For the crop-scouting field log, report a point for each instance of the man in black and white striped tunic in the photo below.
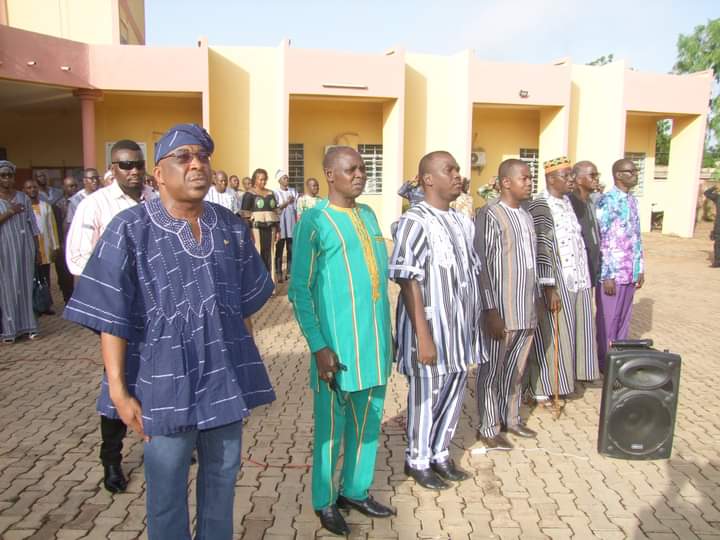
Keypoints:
(505, 241)
(438, 318)
(563, 271)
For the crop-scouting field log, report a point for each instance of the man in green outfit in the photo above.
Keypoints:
(338, 289)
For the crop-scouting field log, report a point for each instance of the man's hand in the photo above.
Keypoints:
(640, 281)
(552, 299)
(494, 325)
(427, 353)
(130, 413)
(609, 287)
(327, 364)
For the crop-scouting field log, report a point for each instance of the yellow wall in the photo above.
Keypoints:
(437, 113)
(688, 136)
(141, 118)
(137, 11)
(89, 21)
(597, 115)
(317, 124)
(42, 138)
(245, 115)
(501, 133)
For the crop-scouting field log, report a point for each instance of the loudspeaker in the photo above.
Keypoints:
(639, 401)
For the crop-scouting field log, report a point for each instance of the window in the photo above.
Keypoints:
(296, 166)
(530, 156)
(638, 158)
(372, 156)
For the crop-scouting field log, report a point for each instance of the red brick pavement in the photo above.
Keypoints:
(555, 487)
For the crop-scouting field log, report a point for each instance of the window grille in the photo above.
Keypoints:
(638, 158)
(530, 156)
(296, 166)
(372, 155)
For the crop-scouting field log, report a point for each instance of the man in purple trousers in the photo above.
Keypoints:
(622, 266)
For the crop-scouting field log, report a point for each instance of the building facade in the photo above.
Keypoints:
(75, 76)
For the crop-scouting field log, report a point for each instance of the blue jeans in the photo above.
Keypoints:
(167, 466)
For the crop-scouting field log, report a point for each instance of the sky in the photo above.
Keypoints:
(642, 32)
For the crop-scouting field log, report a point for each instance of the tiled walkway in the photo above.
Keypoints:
(555, 487)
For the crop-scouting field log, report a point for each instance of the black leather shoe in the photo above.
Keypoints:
(490, 443)
(369, 507)
(114, 479)
(447, 470)
(426, 478)
(332, 520)
(520, 431)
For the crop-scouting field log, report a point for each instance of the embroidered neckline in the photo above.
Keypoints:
(181, 228)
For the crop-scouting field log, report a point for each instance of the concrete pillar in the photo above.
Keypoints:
(553, 137)
(686, 150)
(87, 99)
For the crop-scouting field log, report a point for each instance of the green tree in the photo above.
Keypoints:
(697, 52)
(601, 61)
(662, 142)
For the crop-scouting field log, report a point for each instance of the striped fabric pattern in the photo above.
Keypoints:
(17, 267)
(181, 305)
(434, 406)
(49, 240)
(435, 248)
(577, 341)
(508, 251)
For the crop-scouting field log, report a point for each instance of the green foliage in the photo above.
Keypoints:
(601, 61)
(697, 52)
(662, 142)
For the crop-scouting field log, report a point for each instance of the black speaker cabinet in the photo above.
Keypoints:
(639, 401)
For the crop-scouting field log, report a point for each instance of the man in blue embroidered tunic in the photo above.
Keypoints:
(170, 287)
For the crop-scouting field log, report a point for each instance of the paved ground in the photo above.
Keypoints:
(556, 487)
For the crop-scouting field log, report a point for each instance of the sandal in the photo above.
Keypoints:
(8, 341)
(33, 335)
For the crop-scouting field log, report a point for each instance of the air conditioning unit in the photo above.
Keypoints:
(478, 159)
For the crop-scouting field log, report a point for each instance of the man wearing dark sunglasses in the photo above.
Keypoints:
(92, 216)
(587, 179)
(171, 288)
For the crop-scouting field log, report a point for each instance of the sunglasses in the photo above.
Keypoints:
(130, 165)
(7, 175)
(95, 178)
(183, 158)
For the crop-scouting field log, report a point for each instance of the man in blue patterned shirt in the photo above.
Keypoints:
(170, 288)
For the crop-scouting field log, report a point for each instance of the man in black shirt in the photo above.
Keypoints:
(586, 182)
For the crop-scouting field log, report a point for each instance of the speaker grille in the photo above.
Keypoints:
(640, 424)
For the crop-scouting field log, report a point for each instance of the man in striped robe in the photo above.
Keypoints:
(438, 339)
(505, 241)
(563, 272)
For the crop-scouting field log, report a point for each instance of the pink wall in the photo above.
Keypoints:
(17, 47)
(107, 67)
(306, 71)
(653, 92)
(151, 69)
(492, 82)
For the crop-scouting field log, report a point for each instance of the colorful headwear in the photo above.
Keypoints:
(4, 163)
(180, 135)
(556, 164)
(280, 173)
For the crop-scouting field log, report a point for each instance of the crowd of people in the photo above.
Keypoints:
(169, 268)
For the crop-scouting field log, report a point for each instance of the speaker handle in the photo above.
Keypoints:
(631, 344)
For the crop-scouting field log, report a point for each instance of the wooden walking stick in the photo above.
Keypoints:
(557, 409)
